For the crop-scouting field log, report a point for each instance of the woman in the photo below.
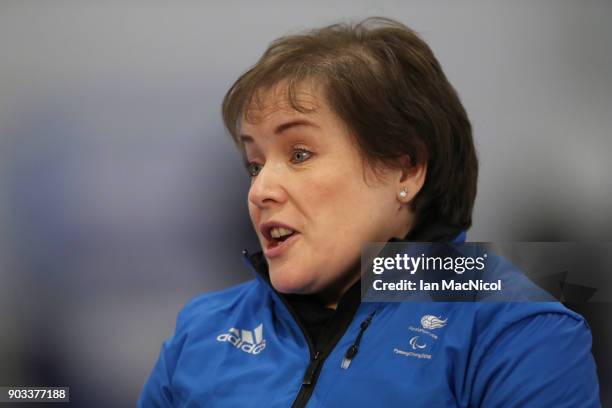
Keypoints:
(352, 134)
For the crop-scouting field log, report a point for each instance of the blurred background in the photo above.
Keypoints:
(122, 197)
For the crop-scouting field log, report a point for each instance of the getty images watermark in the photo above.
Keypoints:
(414, 271)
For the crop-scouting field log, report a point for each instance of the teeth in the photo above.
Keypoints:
(278, 232)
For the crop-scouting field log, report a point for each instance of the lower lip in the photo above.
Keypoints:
(278, 250)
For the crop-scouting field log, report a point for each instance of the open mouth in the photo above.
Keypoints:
(278, 236)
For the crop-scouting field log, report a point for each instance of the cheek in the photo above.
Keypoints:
(336, 208)
(354, 212)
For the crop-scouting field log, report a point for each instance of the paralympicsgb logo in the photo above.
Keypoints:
(431, 322)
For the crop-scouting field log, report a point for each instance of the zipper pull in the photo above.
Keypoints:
(354, 348)
(312, 369)
(348, 357)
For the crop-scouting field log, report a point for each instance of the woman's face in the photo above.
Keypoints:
(308, 180)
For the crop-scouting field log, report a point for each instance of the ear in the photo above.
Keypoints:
(411, 179)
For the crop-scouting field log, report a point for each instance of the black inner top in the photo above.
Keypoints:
(318, 320)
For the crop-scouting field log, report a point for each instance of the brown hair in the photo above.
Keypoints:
(385, 83)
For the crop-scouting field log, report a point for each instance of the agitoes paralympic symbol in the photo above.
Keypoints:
(414, 343)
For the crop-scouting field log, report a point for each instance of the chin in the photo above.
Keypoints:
(291, 282)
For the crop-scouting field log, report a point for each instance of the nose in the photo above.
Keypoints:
(267, 187)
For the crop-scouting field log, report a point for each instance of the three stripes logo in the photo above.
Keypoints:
(251, 342)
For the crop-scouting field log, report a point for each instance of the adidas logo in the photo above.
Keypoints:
(243, 339)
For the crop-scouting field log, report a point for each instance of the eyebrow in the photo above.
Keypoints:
(282, 127)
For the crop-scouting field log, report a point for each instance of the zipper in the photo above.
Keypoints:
(312, 368)
(317, 357)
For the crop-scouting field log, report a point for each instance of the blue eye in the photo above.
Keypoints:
(300, 155)
(253, 168)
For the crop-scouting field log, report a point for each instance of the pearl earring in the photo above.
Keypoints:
(403, 193)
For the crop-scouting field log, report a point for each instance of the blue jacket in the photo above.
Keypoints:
(241, 347)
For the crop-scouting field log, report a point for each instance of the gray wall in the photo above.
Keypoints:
(121, 195)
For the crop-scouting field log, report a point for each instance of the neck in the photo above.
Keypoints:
(330, 297)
